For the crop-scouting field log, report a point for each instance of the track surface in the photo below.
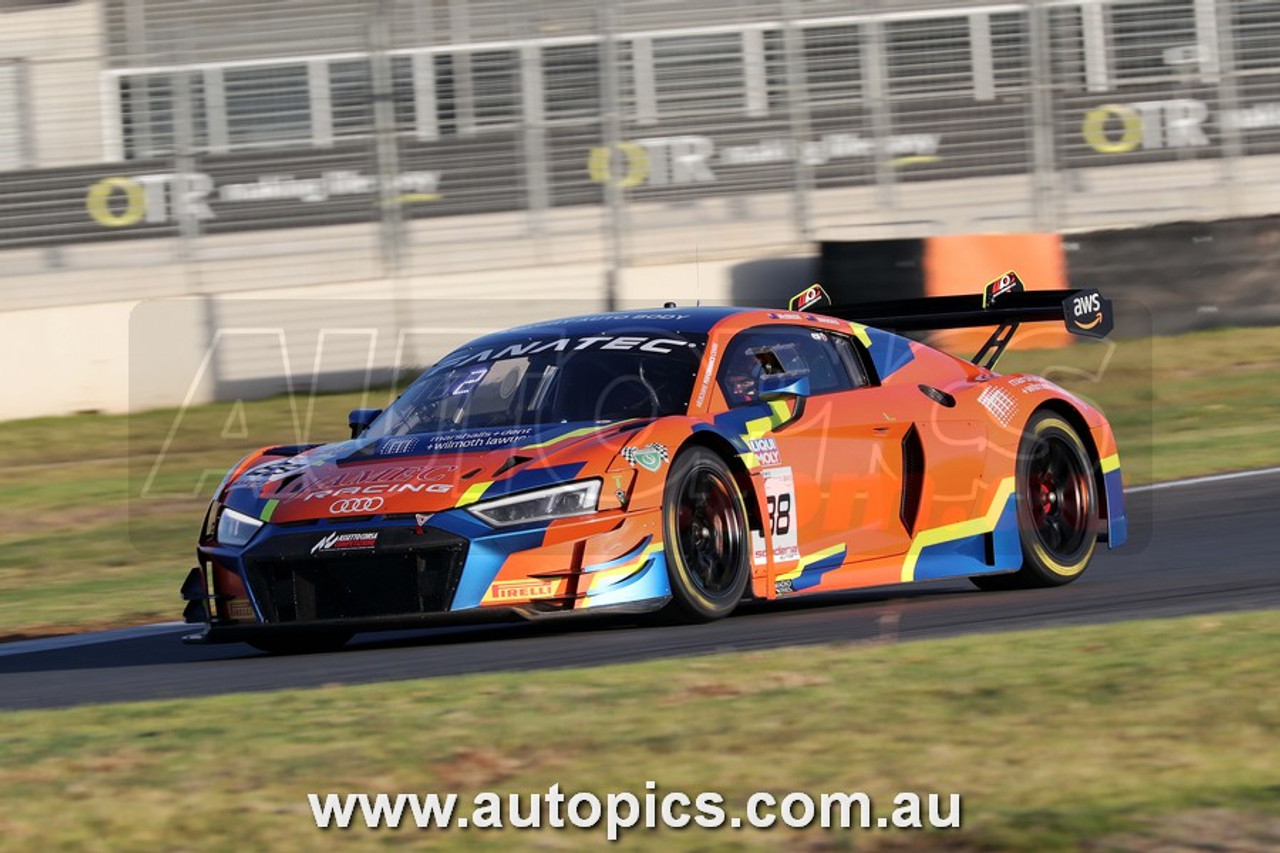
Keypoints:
(1196, 547)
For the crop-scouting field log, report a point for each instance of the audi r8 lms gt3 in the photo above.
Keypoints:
(679, 459)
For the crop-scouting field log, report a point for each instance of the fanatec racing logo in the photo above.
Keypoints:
(661, 346)
(356, 505)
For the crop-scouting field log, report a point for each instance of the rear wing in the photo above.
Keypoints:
(1004, 303)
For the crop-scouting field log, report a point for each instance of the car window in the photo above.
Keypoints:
(549, 379)
(855, 359)
(783, 349)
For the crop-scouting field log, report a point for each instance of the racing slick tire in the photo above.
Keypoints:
(1057, 504)
(303, 645)
(704, 522)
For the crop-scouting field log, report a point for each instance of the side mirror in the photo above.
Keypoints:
(780, 386)
(359, 420)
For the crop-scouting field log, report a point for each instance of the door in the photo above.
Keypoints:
(831, 474)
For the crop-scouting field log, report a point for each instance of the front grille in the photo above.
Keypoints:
(405, 582)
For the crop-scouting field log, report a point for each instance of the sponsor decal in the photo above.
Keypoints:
(382, 489)
(783, 587)
(1000, 403)
(398, 474)
(420, 520)
(241, 610)
(345, 542)
(1087, 310)
(508, 590)
(1032, 384)
(272, 471)
(1088, 314)
(620, 489)
(662, 346)
(780, 501)
(650, 457)
(804, 300)
(399, 445)
(362, 506)
(464, 385)
(713, 356)
(766, 451)
(1005, 284)
(475, 440)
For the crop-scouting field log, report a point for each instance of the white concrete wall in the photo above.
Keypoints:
(61, 48)
(131, 355)
(62, 360)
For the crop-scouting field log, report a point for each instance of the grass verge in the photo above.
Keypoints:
(82, 544)
(1142, 727)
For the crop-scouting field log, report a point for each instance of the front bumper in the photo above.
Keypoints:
(456, 570)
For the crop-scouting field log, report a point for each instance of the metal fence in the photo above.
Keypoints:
(159, 146)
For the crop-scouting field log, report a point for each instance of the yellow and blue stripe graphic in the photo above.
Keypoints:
(637, 575)
(809, 570)
(960, 549)
(1117, 518)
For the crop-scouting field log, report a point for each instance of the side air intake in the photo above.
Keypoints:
(912, 478)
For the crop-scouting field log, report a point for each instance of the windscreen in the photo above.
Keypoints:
(547, 380)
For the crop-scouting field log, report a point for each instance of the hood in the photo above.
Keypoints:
(425, 473)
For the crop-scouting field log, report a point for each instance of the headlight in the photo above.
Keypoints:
(556, 502)
(236, 528)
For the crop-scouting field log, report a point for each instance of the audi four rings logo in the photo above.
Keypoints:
(360, 505)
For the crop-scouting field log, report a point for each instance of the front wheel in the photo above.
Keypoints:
(704, 524)
(1057, 507)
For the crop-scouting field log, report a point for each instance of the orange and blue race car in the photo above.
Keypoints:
(677, 460)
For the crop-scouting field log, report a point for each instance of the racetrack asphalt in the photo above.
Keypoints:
(1196, 547)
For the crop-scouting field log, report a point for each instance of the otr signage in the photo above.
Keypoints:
(118, 202)
(1147, 125)
(681, 160)
(121, 201)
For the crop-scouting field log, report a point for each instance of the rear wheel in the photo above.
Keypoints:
(1057, 507)
(705, 527)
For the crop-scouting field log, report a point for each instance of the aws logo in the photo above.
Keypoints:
(1087, 313)
(1087, 310)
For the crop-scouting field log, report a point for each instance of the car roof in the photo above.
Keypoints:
(684, 321)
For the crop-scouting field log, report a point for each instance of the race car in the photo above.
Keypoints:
(677, 460)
